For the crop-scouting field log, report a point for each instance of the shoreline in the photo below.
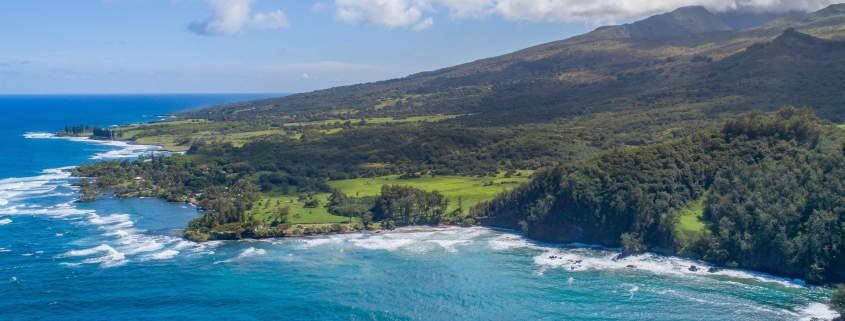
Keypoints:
(88, 139)
(554, 249)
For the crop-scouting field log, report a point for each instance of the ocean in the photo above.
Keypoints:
(120, 259)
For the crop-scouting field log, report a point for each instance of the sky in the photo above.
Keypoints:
(287, 46)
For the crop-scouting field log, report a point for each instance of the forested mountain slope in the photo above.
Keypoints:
(584, 75)
(542, 122)
(769, 190)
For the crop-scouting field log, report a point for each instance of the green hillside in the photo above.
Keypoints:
(774, 202)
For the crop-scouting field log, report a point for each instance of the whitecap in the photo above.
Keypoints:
(149, 246)
(111, 219)
(309, 243)
(582, 259)
(163, 255)
(509, 241)
(127, 150)
(111, 257)
(5, 221)
(250, 252)
(633, 290)
(449, 245)
(86, 252)
(816, 311)
(382, 243)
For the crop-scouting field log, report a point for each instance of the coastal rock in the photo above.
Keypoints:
(693, 268)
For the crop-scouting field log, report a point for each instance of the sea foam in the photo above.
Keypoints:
(126, 150)
(109, 257)
(248, 253)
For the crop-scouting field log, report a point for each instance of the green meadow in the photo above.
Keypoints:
(471, 190)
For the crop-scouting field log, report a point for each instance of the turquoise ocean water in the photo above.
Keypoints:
(118, 259)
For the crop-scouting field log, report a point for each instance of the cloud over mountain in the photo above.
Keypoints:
(416, 14)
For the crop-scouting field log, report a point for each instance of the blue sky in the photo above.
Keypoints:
(251, 46)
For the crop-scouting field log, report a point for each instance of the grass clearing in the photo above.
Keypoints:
(166, 141)
(299, 214)
(472, 189)
(378, 120)
(386, 103)
(690, 225)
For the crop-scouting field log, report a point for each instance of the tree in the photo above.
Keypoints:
(337, 196)
(837, 299)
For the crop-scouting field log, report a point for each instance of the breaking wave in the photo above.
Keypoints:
(126, 150)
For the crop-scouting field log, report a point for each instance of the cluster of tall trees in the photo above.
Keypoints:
(74, 130)
(106, 133)
(96, 131)
(773, 189)
(405, 205)
(225, 211)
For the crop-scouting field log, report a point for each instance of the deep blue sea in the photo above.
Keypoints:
(119, 259)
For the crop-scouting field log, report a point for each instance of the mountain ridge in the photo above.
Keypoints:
(681, 21)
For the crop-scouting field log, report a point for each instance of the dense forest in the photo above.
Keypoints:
(772, 188)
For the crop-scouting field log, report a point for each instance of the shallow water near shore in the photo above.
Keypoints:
(120, 259)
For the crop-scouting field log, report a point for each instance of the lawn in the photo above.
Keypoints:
(299, 214)
(472, 189)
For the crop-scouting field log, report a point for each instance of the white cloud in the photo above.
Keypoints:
(416, 14)
(270, 20)
(388, 13)
(231, 16)
(425, 24)
(319, 7)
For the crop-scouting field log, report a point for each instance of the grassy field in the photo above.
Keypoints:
(166, 141)
(299, 214)
(380, 120)
(471, 189)
(690, 225)
(166, 134)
